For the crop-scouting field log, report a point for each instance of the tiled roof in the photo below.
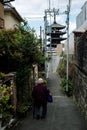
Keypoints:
(9, 7)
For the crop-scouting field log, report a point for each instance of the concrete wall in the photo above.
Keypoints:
(59, 49)
(71, 44)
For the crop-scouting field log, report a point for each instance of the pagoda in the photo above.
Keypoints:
(56, 35)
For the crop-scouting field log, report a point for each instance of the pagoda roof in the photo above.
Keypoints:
(57, 32)
(56, 25)
(52, 45)
(59, 38)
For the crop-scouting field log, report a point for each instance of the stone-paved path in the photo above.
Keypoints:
(63, 114)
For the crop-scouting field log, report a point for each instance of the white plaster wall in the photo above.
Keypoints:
(10, 21)
(71, 44)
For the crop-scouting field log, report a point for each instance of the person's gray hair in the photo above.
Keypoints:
(40, 80)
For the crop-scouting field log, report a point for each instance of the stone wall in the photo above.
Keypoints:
(80, 73)
(10, 80)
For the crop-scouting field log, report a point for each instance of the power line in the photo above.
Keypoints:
(34, 17)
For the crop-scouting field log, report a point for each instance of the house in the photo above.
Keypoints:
(81, 26)
(80, 60)
(11, 16)
(2, 20)
(81, 18)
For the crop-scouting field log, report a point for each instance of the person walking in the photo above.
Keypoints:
(39, 94)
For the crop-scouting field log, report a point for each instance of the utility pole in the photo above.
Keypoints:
(67, 67)
(49, 4)
(40, 38)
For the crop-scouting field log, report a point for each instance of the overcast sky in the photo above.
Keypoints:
(33, 11)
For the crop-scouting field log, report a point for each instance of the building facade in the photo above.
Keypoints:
(1, 16)
(82, 16)
(81, 26)
(12, 17)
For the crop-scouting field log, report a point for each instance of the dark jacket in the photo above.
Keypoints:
(39, 94)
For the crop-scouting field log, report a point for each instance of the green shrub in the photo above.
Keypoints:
(70, 87)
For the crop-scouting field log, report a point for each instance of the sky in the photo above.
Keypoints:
(34, 11)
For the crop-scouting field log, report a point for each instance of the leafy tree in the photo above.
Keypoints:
(18, 47)
(19, 50)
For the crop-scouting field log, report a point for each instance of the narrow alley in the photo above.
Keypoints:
(63, 114)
